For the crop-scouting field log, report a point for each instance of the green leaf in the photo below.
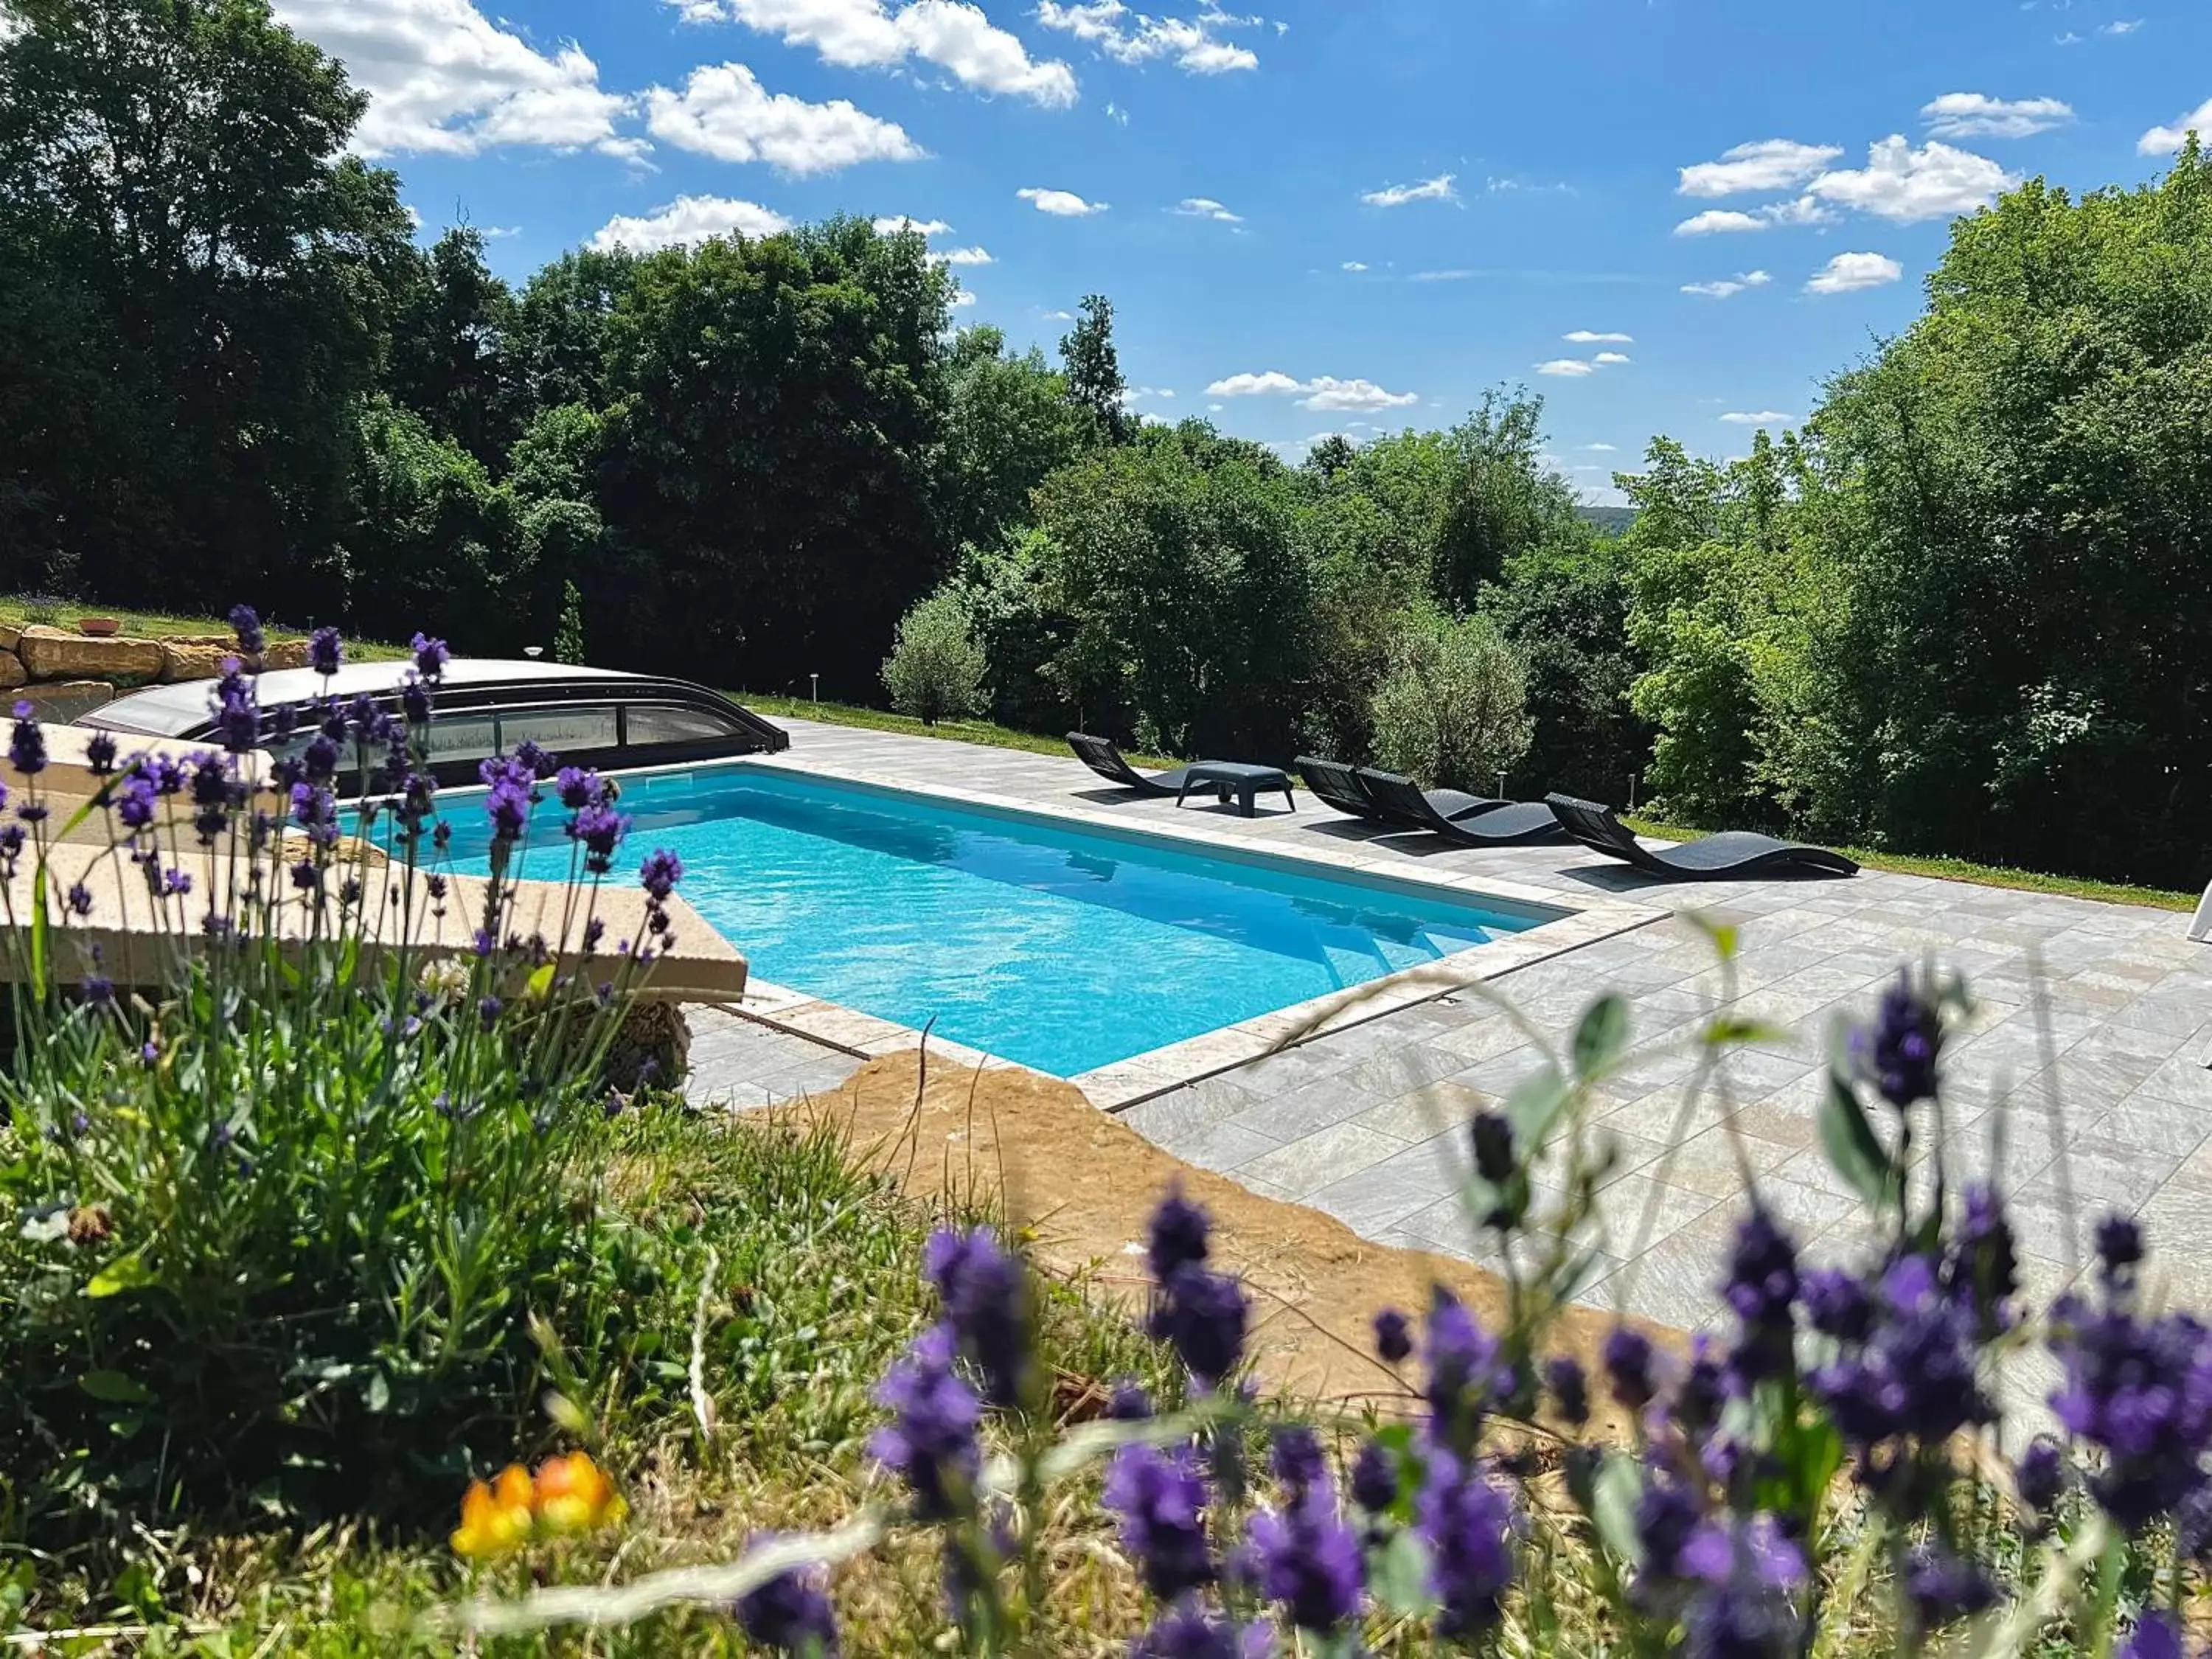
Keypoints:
(539, 982)
(1852, 1147)
(114, 1388)
(1614, 1507)
(1533, 1107)
(128, 1272)
(1602, 1036)
(1721, 933)
(1734, 1029)
(1398, 1574)
(377, 1395)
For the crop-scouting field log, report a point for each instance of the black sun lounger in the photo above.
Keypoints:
(1338, 785)
(1470, 820)
(1100, 755)
(1734, 854)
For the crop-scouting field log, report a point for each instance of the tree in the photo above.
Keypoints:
(1499, 498)
(764, 466)
(1565, 611)
(452, 348)
(1452, 712)
(1009, 424)
(935, 671)
(182, 231)
(1093, 368)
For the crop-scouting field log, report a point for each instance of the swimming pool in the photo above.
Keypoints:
(1063, 949)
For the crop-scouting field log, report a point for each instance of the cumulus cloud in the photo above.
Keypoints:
(1727, 287)
(1717, 221)
(1586, 336)
(963, 300)
(1598, 449)
(2120, 26)
(1769, 164)
(1905, 186)
(1847, 273)
(1059, 316)
(1323, 391)
(891, 224)
(1353, 265)
(1129, 37)
(868, 35)
(688, 220)
(1567, 367)
(2167, 141)
(1976, 115)
(1061, 204)
(1205, 207)
(1606, 359)
(724, 112)
(1438, 189)
(443, 79)
(1760, 417)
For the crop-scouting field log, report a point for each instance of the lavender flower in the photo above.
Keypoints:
(541, 762)
(1464, 1374)
(2041, 1476)
(238, 716)
(600, 830)
(99, 757)
(659, 873)
(1492, 1136)
(1161, 1499)
(325, 651)
(27, 746)
(2120, 1247)
(578, 786)
(2156, 1635)
(415, 701)
(2141, 1391)
(1129, 1402)
(430, 656)
(1761, 1288)
(1914, 1375)
(1666, 1518)
(508, 806)
(1837, 1304)
(1176, 1236)
(1305, 1558)
(1300, 1463)
(1746, 1607)
(1942, 1589)
(1569, 1389)
(319, 761)
(1188, 1633)
(1203, 1316)
(1900, 1050)
(791, 1613)
(1628, 1366)
(1393, 1336)
(1981, 1265)
(985, 1296)
(1468, 1523)
(1375, 1478)
(246, 623)
(78, 899)
(930, 1443)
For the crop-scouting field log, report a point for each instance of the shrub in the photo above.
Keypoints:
(569, 636)
(1453, 711)
(936, 670)
(284, 1203)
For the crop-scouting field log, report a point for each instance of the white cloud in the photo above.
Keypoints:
(725, 113)
(1606, 359)
(1586, 336)
(1061, 204)
(1129, 37)
(891, 224)
(1327, 392)
(867, 34)
(1599, 449)
(2120, 27)
(1324, 392)
(1115, 113)
(1059, 316)
(1715, 221)
(2068, 38)
(1847, 273)
(1438, 189)
(1253, 385)
(1214, 409)
(1769, 164)
(1800, 210)
(443, 79)
(1905, 185)
(2165, 141)
(1205, 207)
(1762, 417)
(963, 256)
(963, 300)
(1353, 265)
(500, 233)
(1727, 287)
(1974, 114)
(689, 219)
(1459, 276)
(1569, 367)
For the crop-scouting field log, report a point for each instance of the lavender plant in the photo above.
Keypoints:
(297, 1128)
(1835, 1456)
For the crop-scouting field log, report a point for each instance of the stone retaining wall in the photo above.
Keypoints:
(63, 673)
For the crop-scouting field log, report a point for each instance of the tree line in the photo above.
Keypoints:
(1953, 614)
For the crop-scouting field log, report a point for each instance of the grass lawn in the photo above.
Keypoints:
(19, 609)
(1002, 737)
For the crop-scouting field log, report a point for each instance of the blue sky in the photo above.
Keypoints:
(1315, 215)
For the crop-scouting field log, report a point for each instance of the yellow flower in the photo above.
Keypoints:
(575, 1495)
(496, 1520)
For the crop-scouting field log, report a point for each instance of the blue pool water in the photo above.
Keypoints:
(1062, 949)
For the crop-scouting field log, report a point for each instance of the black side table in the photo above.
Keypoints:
(1235, 778)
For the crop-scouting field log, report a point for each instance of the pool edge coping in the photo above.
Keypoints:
(1117, 1086)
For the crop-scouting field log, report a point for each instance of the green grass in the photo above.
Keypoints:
(1946, 869)
(15, 609)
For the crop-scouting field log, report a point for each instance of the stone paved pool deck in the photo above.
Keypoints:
(2084, 1063)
